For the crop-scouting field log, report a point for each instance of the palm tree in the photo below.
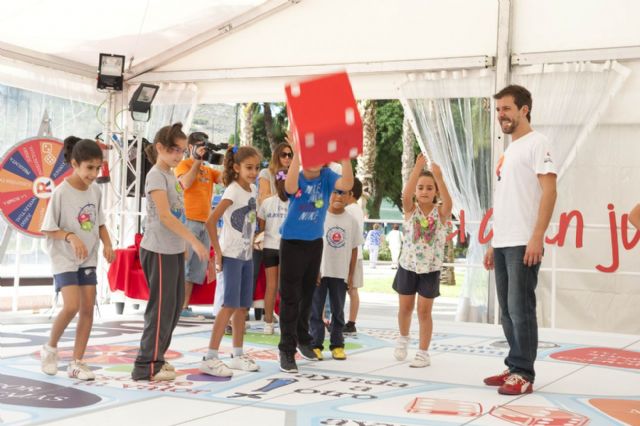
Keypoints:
(246, 124)
(268, 125)
(366, 162)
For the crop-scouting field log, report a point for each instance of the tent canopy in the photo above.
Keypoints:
(240, 50)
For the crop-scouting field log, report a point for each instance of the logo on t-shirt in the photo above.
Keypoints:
(87, 217)
(499, 167)
(547, 158)
(336, 237)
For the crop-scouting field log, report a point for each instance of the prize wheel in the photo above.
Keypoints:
(29, 172)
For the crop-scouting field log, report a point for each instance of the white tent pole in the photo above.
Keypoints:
(578, 55)
(434, 64)
(503, 78)
(50, 61)
(16, 277)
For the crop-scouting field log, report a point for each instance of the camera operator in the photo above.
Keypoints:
(198, 181)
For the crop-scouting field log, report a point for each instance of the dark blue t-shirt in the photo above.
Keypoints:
(308, 207)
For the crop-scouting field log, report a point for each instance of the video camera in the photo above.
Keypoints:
(212, 153)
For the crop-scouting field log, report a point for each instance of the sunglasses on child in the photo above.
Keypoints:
(286, 154)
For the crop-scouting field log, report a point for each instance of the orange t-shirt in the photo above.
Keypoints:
(197, 198)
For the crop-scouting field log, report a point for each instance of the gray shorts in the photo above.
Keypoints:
(195, 269)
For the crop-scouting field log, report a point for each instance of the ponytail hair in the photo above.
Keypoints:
(81, 150)
(235, 155)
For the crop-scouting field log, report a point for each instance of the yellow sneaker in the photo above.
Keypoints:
(338, 353)
(318, 353)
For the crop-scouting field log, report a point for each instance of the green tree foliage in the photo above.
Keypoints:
(280, 122)
(387, 178)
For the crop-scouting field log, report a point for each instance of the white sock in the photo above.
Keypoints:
(237, 352)
(404, 340)
(425, 353)
(50, 348)
(212, 354)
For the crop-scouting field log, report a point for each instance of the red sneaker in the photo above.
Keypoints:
(516, 385)
(497, 380)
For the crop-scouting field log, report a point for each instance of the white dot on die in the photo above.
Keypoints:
(353, 152)
(295, 90)
(349, 116)
(309, 140)
(332, 146)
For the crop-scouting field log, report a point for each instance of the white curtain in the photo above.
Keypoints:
(48, 81)
(451, 115)
(569, 100)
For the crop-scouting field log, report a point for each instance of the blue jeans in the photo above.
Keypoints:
(516, 287)
(337, 289)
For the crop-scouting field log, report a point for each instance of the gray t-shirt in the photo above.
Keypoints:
(76, 211)
(341, 235)
(158, 238)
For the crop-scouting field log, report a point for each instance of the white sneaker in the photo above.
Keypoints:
(215, 367)
(79, 370)
(400, 352)
(167, 366)
(268, 328)
(49, 360)
(164, 375)
(421, 360)
(244, 363)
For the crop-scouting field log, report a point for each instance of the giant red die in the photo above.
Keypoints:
(324, 119)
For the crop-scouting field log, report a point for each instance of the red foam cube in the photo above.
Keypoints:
(324, 119)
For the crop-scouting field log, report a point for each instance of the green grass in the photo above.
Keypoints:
(383, 285)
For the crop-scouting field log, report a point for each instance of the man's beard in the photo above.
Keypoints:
(513, 125)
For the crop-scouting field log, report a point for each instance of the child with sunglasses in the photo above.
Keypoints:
(342, 237)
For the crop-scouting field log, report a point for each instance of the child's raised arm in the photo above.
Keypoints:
(345, 182)
(212, 229)
(445, 208)
(291, 182)
(409, 189)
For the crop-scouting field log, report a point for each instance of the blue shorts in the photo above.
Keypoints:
(83, 276)
(196, 269)
(238, 282)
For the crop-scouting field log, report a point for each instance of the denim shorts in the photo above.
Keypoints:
(196, 269)
(238, 282)
(83, 276)
(409, 283)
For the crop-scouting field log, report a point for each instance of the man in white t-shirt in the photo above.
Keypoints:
(524, 197)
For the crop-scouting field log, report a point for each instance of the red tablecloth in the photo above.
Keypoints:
(125, 274)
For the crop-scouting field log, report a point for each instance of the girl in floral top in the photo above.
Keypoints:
(427, 209)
